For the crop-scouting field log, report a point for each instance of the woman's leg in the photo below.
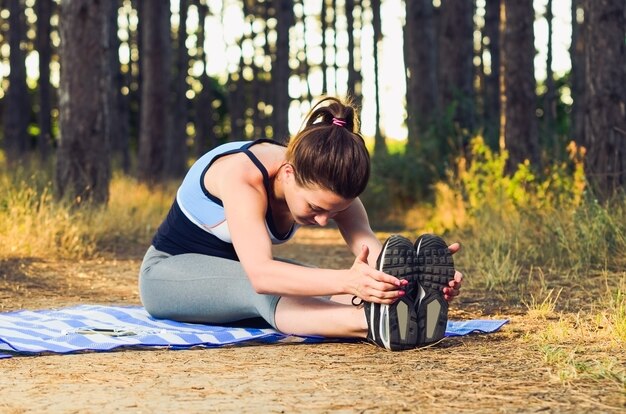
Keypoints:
(200, 288)
(316, 316)
(334, 316)
(345, 299)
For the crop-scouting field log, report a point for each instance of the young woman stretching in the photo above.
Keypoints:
(211, 259)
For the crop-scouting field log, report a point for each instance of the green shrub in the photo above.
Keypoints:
(525, 219)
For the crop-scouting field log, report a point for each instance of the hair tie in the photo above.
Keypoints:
(339, 122)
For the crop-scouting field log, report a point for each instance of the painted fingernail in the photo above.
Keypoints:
(401, 293)
(404, 282)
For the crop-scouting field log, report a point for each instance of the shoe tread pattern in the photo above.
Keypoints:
(399, 259)
(434, 264)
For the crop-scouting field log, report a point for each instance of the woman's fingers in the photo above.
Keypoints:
(454, 247)
(455, 284)
(457, 281)
(386, 285)
(379, 287)
(454, 287)
(381, 277)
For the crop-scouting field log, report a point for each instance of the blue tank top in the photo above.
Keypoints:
(196, 222)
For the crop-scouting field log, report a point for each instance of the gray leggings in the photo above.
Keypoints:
(199, 288)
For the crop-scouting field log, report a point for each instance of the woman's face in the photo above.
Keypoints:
(313, 206)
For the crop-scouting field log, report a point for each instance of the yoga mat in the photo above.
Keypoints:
(104, 328)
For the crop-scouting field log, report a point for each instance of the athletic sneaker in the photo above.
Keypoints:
(435, 270)
(395, 326)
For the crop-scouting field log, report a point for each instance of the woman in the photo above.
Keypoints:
(211, 260)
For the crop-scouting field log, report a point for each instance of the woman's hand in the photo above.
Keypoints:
(372, 285)
(454, 288)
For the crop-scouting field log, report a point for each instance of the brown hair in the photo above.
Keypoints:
(329, 151)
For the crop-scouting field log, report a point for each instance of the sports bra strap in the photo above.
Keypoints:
(261, 167)
(266, 181)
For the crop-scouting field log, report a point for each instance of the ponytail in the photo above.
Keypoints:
(329, 151)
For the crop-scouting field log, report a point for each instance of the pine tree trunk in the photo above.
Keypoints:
(129, 102)
(305, 67)
(420, 54)
(549, 106)
(518, 125)
(118, 110)
(44, 49)
(577, 53)
(205, 135)
(155, 58)
(605, 117)
(83, 170)
(16, 105)
(136, 73)
(335, 49)
(491, 105)
(456, 69)
(281, 71)
(324, 64)
(177, 143)
(380, 147)
(354, 78)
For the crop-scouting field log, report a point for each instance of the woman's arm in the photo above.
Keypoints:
(245, 204)
(356, 231)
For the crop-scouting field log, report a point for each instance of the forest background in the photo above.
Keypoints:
(139, 95)
(99, 94)
(105, 104)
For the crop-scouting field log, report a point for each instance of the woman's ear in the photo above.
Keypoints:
(288, 170)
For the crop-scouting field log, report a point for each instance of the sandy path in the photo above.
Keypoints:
(501, 372)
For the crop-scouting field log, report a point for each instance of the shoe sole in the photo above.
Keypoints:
(398, 322)
(435, 269)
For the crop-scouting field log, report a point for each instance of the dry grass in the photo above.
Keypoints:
(33, 223)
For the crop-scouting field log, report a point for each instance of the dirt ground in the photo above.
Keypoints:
(502, 372)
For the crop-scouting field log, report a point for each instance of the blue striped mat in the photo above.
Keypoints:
(104, 328)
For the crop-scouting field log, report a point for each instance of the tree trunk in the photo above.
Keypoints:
(136, 73)
(421, 69)
(237, 95)
(577, 53)
(324, 64)
(129, 100)
(259, 76)
(118, 110)
(380, 147)
(17, 107)
(155, 58)
(456, 69)
(205, 135)
(518, 125)
(491, 104)
(335, 49)
(44, 49)
(281, 71)
(176, 160)
(354, 75)
(83, 170)
(549, 105)
(605, 117)
(305, 67)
